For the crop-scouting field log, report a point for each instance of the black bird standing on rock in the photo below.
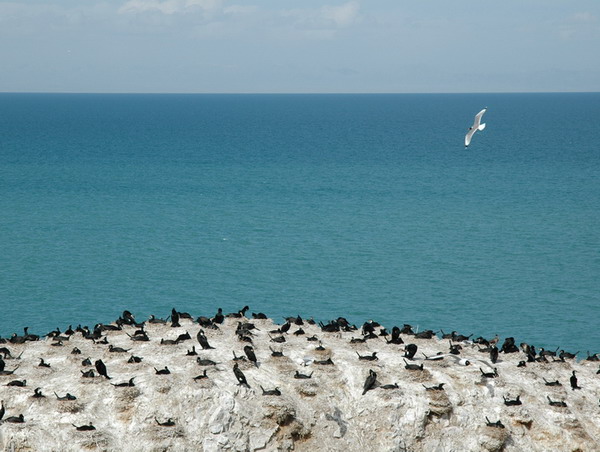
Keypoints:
(203, 341)
(174, 318)
(128, 318)
(509, 346)
(241, 378)
(249, 351)
(285, 327)
(370, 381)
(219, 317)
(410, 351)
(101, 368)
(494, 354)
(531, 354)
(573, 380)
(395, 336)
(368, 328)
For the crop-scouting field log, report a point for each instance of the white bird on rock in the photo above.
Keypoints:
(475, 127)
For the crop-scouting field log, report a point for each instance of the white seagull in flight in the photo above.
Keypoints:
(475, 127)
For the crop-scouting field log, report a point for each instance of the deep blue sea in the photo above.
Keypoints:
(363, 206)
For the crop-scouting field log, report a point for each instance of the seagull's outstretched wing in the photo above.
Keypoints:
(478, 119)
(469, 135)
(476, 126)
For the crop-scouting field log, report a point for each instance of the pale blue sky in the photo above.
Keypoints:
(264, 46)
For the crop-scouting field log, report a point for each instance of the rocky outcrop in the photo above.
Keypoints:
(445, 406)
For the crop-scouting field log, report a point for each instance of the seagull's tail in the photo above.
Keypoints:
(481, 126)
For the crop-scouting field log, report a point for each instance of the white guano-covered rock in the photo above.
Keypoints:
(326, 412)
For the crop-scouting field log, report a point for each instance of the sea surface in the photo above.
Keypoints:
(362, 206)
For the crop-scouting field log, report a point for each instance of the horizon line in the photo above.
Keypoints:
(293, 93)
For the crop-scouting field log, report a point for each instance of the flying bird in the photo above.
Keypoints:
(475, 127)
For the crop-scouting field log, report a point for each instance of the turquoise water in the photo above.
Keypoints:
(364, 206)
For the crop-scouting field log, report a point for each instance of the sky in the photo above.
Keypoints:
(309, 46)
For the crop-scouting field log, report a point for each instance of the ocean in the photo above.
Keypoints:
(361, 206)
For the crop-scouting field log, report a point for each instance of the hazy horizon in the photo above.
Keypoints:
(269, 46)
(296, 93)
